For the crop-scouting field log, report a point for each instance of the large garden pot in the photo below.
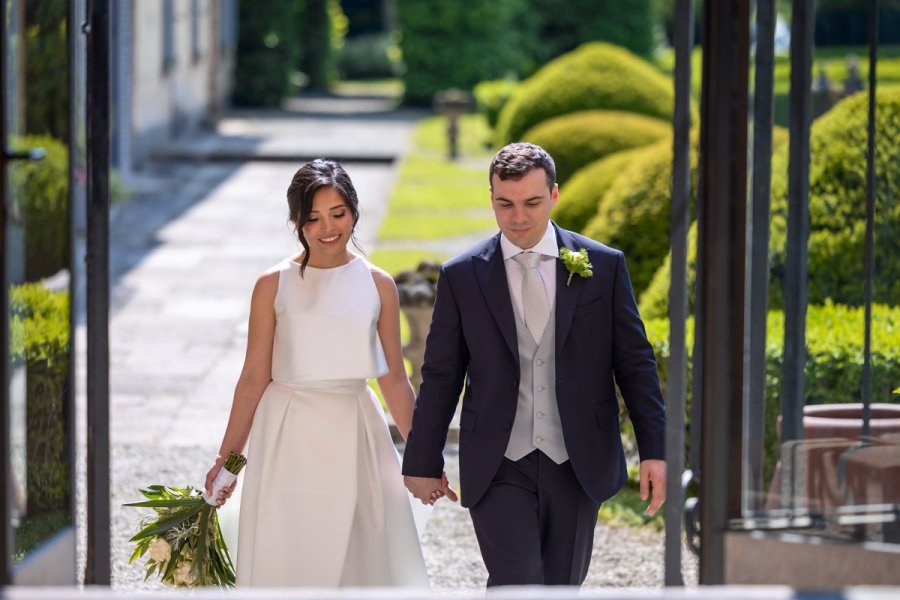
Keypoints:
(416, 290)
(834, 466)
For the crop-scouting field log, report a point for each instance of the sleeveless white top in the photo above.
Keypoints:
(326, 324)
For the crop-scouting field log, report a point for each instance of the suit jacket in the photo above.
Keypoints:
(600, 342)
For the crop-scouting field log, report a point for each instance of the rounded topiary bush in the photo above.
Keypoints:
(579, 138)
(633, 215)
(837, 203)
(654, 299)
(580, 197)
(594, 76)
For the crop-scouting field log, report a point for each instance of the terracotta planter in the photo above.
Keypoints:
(833, 466)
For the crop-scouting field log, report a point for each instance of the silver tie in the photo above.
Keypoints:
(534, 295)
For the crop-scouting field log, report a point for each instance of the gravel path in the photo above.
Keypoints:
(622, 557)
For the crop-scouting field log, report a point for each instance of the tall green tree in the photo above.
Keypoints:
(268, 51)
(458, 44)
(47, 68)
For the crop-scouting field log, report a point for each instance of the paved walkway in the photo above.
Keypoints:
(185, 251)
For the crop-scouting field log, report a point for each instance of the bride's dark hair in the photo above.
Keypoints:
(308, 180)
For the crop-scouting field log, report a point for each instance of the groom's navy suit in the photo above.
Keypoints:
(600, 342)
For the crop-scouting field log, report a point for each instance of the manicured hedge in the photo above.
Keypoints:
(579, 138)
(837, 201)
(834, 339)
(39, 341)
(595, 76)
(458, 44)
(43, 198)
(581, 195)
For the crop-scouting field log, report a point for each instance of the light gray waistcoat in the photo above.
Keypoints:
(537, 424)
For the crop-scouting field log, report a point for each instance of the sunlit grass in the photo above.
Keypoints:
(473, 139)
(430, 226)
(391, 88)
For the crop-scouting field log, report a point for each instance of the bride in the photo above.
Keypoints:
(323, 501)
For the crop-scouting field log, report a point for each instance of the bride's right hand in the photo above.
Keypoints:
(225, 494)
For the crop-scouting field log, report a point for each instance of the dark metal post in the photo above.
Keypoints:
(98, 569)
(678, 231)
(795, 276)
(758, 228)
(722, 254)
(869, 251)
(6, 541)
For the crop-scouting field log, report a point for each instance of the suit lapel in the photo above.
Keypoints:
(491, 274)
(566, 295)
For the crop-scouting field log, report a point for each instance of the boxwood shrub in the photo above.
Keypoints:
(579, 138)
(633, 215)
(596, 75)
(580, 197)
(837, 203)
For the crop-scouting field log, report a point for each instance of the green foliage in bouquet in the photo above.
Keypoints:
(184, 541)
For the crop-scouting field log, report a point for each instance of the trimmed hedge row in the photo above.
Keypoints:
(39, 340)
(595, 76)
(579, 138)
(834, 340)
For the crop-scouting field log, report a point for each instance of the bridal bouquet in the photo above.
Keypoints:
(184, 541)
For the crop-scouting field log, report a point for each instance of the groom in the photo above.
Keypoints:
(540, 353)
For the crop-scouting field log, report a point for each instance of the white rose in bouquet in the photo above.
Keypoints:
(160, 550)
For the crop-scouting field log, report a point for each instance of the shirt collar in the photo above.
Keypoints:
(547, 245)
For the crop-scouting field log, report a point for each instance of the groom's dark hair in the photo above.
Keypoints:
(516, 160)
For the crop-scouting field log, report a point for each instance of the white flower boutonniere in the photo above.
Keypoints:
(576, 263)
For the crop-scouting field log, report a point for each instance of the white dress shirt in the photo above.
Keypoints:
(548, 247)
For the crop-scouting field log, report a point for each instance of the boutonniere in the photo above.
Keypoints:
(576, 263)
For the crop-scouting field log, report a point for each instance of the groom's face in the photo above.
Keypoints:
(522, 207)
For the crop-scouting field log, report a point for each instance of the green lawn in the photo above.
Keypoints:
(436, 198)
(832, 59)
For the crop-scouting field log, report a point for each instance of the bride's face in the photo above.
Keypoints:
(329, 228)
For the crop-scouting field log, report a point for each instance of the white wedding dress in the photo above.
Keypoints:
(323, 502)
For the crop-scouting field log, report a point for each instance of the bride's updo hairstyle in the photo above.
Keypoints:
(308, 180)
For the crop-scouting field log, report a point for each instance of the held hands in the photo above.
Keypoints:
(653, 476)
(225, 494)
(429, 490)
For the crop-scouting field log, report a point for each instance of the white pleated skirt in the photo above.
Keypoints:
(323, 502)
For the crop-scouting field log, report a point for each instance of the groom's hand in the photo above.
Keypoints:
(653, 475)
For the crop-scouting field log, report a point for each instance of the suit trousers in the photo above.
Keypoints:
(535, 524)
